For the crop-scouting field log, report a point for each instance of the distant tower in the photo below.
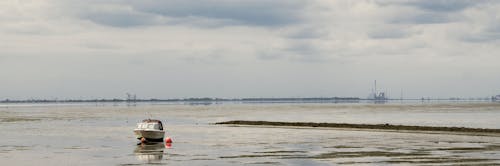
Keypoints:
(401, 93)
(131, 97)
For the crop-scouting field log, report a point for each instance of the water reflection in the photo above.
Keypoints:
(149, 152)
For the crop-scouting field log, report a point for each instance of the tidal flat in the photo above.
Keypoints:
(101, 134)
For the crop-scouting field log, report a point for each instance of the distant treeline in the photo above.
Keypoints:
(206, 99)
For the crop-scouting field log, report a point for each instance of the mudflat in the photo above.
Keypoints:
(101, 134)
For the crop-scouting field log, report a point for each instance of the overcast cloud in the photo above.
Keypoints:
(248, 48)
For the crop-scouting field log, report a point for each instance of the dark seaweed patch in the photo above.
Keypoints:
(18, 119)
(282, 151)
(365, 154)
(266, 155)
(363, 126)
(441, 160)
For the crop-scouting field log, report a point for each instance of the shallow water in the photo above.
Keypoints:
(101, 134)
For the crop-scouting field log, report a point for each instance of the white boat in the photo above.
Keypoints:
(150, 130)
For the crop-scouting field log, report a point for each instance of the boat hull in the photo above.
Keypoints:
(150, 135)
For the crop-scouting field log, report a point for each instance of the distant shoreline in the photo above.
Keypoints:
(249, 100)
(346, 99)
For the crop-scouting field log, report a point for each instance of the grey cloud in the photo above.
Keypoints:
(435, 5)
(433, 11)
(484, 27)
(254, 12)
(201, 22)
(196, 13)
(482, 37)
(303, 48)
(447, 11)
(308, 33)
(108, 13)
(424, 18)
(214, 57)
(389, 34)
(493, 28)
(269, 55)
(443, 5)
(120, 18)
(299, 51)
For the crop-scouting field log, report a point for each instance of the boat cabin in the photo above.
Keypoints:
(152, 124)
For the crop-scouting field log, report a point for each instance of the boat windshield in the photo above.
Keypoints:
(147, 126)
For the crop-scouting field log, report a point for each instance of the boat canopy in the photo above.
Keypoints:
(160, 125)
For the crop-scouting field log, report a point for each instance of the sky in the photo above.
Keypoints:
(74, 49)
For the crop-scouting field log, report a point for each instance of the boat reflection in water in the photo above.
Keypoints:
(149, 152)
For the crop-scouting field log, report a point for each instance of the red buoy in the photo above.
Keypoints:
(168, 140)
(168, 145)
